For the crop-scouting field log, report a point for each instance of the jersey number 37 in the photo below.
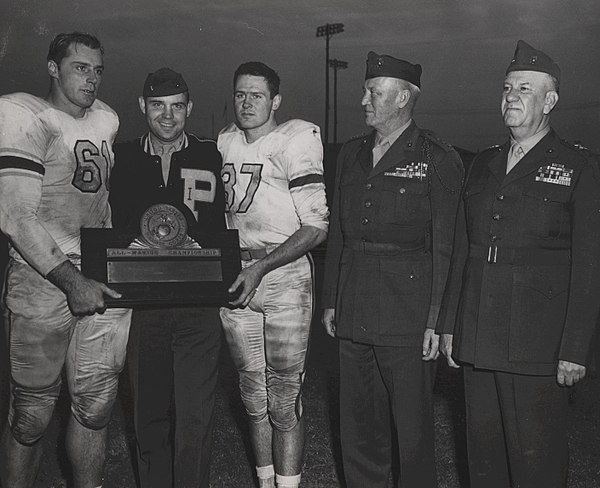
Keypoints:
(230, 177)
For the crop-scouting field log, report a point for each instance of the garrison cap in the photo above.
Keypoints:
(384, 65)
(164, 82)
(528, 58)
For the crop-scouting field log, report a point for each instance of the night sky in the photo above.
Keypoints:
(464, 47)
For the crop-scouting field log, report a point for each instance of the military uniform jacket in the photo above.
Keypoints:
(525, 277)
(390, 237)
(194, 185)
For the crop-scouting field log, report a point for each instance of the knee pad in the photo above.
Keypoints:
(30, 412)
(253, 390)
(92, 409)
(285, 399)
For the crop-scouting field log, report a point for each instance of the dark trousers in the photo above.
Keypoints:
(386, 396)
(516, 430)
(173, 362)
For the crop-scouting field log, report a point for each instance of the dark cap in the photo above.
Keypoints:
(164, 82)
(384, 65)
(528, 58)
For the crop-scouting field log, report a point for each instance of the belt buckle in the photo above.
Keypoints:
(492, 254)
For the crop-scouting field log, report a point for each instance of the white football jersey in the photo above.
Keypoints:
(274, 185)
(72, 156)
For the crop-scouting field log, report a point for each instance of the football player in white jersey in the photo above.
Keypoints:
(275, 197)
(55, 160)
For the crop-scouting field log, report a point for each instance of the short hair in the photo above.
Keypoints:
(256, 68)
(555, 82)
(60, 44)
(414, 90)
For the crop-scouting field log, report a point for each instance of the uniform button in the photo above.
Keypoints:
(546, 199)
(412, 276)
(368, 204)
(500, 197)
(368, 186)
(363, 239)
(493, 238)
(364, 221)
(402, 190)
(496, 216)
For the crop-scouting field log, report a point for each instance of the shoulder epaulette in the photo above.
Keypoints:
(495, 147)
(582, 150)
(359, 136)
(437, 141)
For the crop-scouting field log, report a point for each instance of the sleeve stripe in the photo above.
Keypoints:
(306, 180)
(14, 162)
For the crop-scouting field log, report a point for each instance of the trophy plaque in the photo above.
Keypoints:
(165, 264)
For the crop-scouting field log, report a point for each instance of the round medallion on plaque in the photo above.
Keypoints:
(163, 226)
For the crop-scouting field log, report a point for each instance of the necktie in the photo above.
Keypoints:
(515, 154)
(379, 150)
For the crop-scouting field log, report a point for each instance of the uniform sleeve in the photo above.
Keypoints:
(446, 178)
(304, 154)
(584, 305)
(23, 141)
(451, 297)
(335, 242)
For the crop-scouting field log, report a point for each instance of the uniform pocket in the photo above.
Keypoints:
(547, 207)
(404, 296)
(408, 198)
(538, 309)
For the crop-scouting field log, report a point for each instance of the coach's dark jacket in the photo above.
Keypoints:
(526, 271)
(390, 237)
(137, 183)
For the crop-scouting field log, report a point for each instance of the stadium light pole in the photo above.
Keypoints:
(336, 64)
(327, 31)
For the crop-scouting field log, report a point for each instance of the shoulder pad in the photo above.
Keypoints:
(103, 107)
(229, 129)
(27, 101)
(431, 136)
(295, 126)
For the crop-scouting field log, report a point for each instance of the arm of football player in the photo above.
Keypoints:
(328, 321)
(20, 196)
(297, 245)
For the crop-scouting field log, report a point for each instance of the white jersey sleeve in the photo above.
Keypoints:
(304, 158)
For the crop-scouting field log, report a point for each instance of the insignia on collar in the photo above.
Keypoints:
(554, 173)
(411, 170)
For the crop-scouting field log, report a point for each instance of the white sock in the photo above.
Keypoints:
(287, 481)
(265, 472)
